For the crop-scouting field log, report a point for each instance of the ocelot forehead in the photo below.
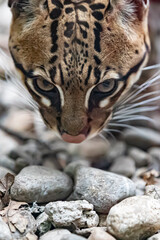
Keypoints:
(75, 32)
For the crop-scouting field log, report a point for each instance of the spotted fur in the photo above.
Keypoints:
(79, 46)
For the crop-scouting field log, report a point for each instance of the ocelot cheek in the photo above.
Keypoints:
(49, 117)
(99, 117)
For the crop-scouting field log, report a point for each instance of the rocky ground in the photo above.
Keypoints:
(103, 189)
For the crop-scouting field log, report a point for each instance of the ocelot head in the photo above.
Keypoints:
(77, 58)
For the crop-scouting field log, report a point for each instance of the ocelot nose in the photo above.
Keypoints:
(73, 125)
(78, 138)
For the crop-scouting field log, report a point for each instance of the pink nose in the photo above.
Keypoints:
(73, 139)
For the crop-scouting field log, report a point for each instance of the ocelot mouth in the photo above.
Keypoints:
(76, 139)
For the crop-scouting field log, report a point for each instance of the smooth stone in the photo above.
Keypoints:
(71, 167)
(57, 234)
(135, 218)
(7, 162)
(153, 191)
(141, 137)
(117, 150)
(99, 234)
(140, 157)
(5, 233)
(155, 153)
(124, 166)
(61, 234)
(80, 213)
(7, 143)
(41, 184)
(4, 171)
(91, 149)
(86, 232)
(101, 188)
(155, 237)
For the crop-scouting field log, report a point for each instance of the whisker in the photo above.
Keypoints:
(151, 67)
(103, 137)
(129, 111)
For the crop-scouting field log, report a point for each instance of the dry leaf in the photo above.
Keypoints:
(20, 221)
(150, 177)
(5, 185)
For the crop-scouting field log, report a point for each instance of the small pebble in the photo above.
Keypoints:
(140, 157)
(41, 184)
(99, 234)
(71, 167)
(57, 234)
(93, 148)
(60, 234)
(66, 213)
(117, 150)
(155, 153)
(102, 189)
(124, 166)
(7, 162)
(5, 233)
(135, 218)
(7, 143)
(141, 137)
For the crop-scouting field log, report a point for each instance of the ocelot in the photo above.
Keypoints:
(77, 58)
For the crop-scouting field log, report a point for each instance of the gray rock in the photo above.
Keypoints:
(134, 218)
(71, 167)
(141, 137)
(124, 166)
(153, 191)
(155, 153)
(7, 162)
(87, 231)
(140, 157)
(56, 234)
(99, 234)
(65, 214)
(4, 171)
(117, 150)
(41, 184)
(6, 143)
(155, 237)
(5, 233)
(93, 148)
(102, 189)
(60, 234)
(73, 237)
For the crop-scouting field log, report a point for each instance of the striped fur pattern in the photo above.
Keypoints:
(77, 58)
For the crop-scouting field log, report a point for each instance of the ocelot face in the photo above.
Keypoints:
(78, 57)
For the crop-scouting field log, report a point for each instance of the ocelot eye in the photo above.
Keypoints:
(44, 85)
(107, 86)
